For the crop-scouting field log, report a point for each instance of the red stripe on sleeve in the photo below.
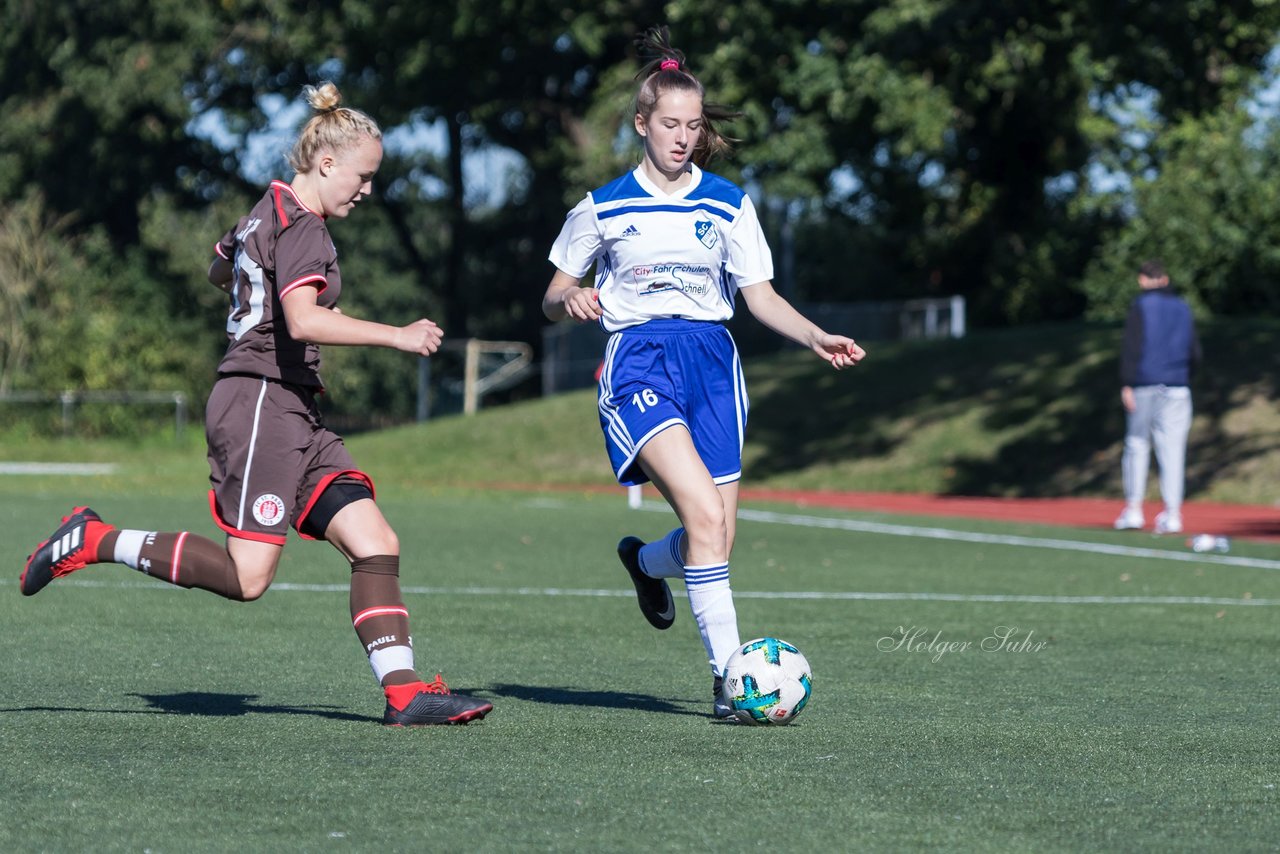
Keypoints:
(316, 279)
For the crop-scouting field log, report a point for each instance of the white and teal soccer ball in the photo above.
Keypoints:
(766, 682)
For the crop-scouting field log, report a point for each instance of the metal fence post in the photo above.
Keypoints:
(957, 317)
(68, 399)
(470, 375)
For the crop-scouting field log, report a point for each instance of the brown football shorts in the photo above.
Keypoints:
(270, 456)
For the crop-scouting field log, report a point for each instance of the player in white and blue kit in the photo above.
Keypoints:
(673, 247)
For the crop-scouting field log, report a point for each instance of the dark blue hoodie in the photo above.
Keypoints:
(1160, 344)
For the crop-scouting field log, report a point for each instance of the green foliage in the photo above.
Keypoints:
(96, 104)
(952, 119)
(1212, 214)
(899, 149)
(37, 267)
(80, 316)
(517, 74)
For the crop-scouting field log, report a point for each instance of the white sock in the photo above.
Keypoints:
(663, 558)
(711, 599)
(390, 659)
(129, 546)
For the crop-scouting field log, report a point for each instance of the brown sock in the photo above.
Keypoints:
(381, 620)
(185, 559)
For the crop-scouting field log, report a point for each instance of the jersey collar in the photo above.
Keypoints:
(652, 189)
(286, 187)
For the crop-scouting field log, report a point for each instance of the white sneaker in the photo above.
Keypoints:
(1168, 523)
(1130, 520)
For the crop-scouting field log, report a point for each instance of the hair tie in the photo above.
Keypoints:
(669, 64)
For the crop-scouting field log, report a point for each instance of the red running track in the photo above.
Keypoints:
(1244, 521)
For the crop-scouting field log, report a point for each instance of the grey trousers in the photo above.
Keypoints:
(1161, 419)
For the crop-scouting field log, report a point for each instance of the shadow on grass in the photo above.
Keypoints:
(601, 699)
(234, 705)
(1046, 400)
(209, 706)
(1043, 398)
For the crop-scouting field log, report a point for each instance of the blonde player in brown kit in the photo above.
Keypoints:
(272, 461)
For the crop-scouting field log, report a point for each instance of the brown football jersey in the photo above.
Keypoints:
(281, 245)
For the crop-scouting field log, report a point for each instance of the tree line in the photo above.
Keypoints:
(1026, 155)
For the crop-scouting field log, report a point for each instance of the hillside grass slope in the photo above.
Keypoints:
(1029, 411)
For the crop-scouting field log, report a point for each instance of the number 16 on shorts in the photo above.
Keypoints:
(645, 399)
(629, 420)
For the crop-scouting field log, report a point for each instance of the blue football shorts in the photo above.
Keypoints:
(668, 372)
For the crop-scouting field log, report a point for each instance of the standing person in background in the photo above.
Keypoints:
(673, 246)
(1159, 352)
(272, 461)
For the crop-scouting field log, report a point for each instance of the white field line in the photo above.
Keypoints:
(846, 525)
(58, 468)
(826, 595)
(831, 596)
(992, 539)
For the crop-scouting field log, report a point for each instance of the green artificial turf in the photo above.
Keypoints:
(1139, 714)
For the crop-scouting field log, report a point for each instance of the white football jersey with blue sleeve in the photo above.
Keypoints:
(681, 255)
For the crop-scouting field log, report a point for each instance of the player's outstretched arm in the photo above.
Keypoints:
(771, 309)
(565, 297)
(316, 324)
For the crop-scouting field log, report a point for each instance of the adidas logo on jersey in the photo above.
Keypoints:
(631, 231)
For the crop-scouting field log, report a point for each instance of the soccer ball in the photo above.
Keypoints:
(766, 681)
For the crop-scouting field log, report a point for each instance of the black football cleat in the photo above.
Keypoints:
(653, 594)
(433, 705)
(73, 546)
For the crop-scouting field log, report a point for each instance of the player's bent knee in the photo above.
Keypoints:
(389, 543)
(253, 582)
(706, 519)
(375, 538)
(252, 592)
(707, 534)
(361, 530)
(253, 565)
